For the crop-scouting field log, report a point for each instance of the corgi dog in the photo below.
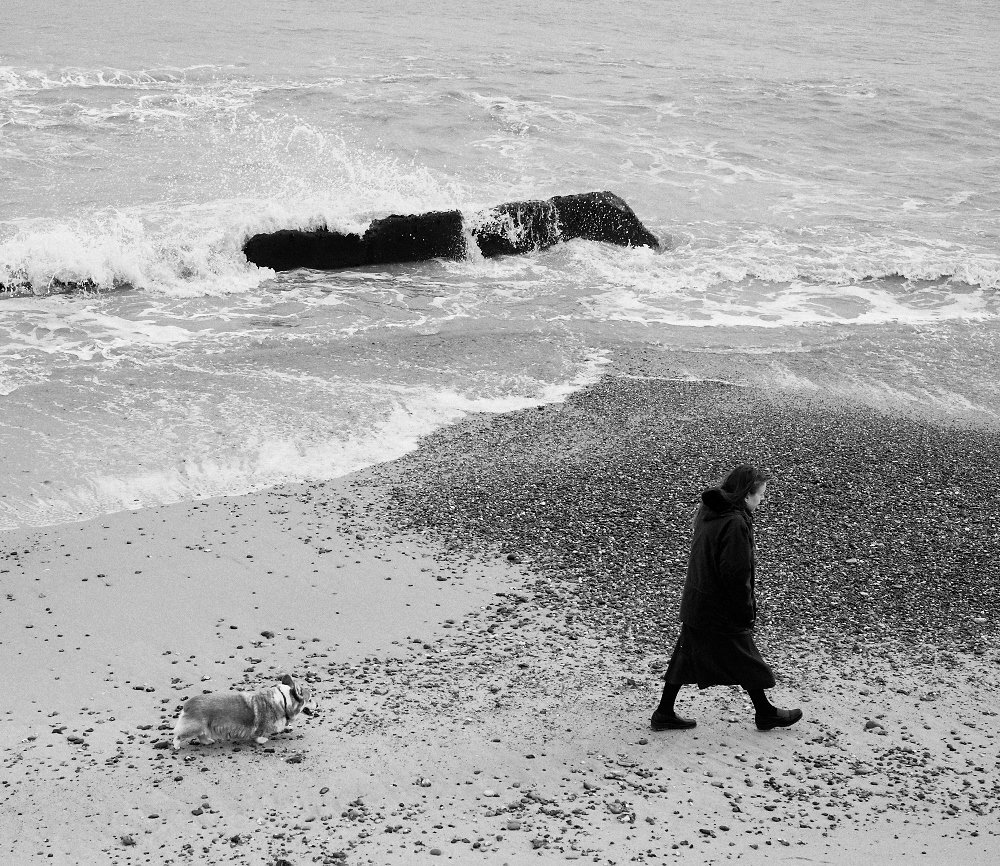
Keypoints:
(241, 715)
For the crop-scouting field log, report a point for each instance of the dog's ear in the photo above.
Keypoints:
(288, 681)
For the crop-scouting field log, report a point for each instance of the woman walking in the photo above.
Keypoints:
(719, 606)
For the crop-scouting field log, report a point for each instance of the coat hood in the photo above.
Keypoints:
(716, 505)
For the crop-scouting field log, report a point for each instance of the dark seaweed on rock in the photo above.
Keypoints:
(23, 286)
(878, 528)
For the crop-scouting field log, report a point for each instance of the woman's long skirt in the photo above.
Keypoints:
(711, 658)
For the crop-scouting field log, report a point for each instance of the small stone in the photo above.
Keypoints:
(267, 633)
(513, 825)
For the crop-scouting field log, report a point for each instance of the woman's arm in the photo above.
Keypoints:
(736, 567)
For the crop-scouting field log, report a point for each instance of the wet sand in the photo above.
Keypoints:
(483, 623)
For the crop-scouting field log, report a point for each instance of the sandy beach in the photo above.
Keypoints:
(483, 623)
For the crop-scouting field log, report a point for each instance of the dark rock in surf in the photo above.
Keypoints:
(602, 216)
(514, 227)
(394, 239)
(517, 227)
(319, 249)
(436, 235)
(507, 229)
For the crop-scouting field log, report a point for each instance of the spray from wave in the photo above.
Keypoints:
(266, 174)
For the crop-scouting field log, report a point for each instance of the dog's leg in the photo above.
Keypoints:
(205, 740)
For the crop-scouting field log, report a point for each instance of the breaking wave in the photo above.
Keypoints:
(753, 278)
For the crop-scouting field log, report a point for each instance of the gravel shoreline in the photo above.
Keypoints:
(878, 529)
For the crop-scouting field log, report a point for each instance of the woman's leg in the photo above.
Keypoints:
(664, 717)
(762, 706)
(666, 707)
(768, 716)
(678, 671)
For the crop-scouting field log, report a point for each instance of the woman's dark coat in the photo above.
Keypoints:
(718, 608)
(719, 590)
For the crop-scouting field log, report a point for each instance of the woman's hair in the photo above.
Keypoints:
(741, 482)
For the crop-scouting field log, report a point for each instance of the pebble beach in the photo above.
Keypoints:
(483, 623)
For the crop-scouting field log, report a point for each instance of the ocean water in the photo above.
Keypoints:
(824, 177)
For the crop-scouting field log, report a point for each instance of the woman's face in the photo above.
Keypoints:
(754, 499)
